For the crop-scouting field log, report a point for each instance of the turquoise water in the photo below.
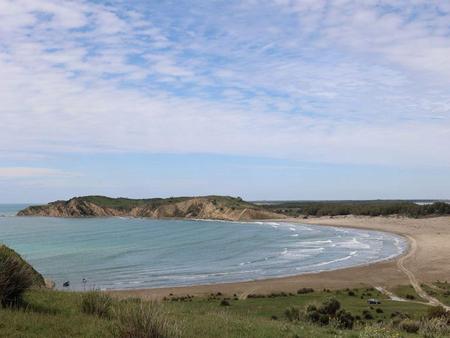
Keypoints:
(121, 253)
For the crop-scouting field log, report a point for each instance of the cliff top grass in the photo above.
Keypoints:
(129, 203)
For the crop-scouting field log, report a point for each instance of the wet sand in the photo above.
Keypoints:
(429, 261)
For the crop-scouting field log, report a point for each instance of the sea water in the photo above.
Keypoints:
(124, 253)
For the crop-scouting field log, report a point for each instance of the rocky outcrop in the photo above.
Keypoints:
(208, 207)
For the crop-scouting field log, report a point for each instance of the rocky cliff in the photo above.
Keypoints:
(207, 207)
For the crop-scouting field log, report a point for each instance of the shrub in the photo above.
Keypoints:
(330, 307)
(436, 312)
(224, 302)
(96, 303)
(16, 276)
(434, 328)
(292, 314)
(409, 326)
(410, 297)
(367, 315)
(303, 291)
(378, 310)
(311, 307)
(377, 331)
(345, 320)
(144, 320)
(324, 320)
(313, 316)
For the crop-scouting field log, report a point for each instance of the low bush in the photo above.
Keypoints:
(144, 320)
(324, 320)
(435, 328)
(311, 307)
(96, 303)
(367, 314)
(303, 291)
(436, 312)
(330, 307)
(224, 302)
(313, 316)
(409, 325)
(15, 278)
(345, 320)
(378, 331)
(292, 314)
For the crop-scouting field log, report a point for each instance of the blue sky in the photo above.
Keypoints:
(276, 99)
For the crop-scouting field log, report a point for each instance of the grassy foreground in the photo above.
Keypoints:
(48, 313)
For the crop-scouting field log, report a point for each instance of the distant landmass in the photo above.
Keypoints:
(232, 208)
(204, 207)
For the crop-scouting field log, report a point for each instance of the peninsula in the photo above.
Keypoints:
(204, 207)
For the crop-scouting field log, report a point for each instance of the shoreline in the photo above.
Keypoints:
(430, 265)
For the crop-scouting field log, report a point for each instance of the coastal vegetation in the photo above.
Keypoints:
(362, 208)
(322, 313)
(16, 276)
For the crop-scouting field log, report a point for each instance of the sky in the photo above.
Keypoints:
(263, 99)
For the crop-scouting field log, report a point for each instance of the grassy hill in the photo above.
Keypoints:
(203, 207)
(56, 314)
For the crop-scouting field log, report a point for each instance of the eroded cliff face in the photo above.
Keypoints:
(72, 208)
(196, 207)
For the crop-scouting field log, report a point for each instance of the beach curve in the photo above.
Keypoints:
(427, 262)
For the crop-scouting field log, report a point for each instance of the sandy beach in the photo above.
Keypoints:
(427, 260)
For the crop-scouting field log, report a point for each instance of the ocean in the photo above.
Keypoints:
(128, 253)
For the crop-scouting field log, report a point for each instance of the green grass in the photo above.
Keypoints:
(441, 291)
(406, 291)
(127, 204)
(58, 314)
(51, 314)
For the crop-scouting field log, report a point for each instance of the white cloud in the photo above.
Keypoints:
(30, 172)
(337, 83)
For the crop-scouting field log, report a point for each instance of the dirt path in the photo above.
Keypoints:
(245, 294)
(412, 279)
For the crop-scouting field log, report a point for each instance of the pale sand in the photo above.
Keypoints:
(428, 262)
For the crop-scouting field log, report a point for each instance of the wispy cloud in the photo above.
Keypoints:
(333, 81)
(30, 172)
